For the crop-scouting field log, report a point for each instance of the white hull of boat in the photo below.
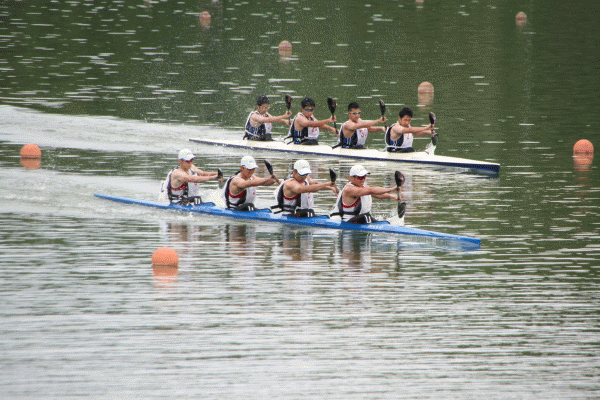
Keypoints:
(419, 157)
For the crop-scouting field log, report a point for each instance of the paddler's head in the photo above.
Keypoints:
(353, 111)
(186, 158)
(262, 104)
(405, 116)
(308, 107)
(301, 170)
(358, 175)
(247, 166)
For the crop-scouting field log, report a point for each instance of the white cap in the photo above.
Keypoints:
(186, 155)
(248, 162)
(358, 170)
(302, 167)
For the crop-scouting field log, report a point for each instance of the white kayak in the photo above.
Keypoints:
(418, 157)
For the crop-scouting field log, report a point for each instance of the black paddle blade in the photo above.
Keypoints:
(401, 209)
(382, 107)
(333, 175)
(399, 178)
(269, 167)
(331, 104)
(288, 101)
(434, 139)
(219, 173)
(432, 118)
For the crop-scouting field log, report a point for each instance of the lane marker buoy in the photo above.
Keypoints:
(583, 146)
(31, 151)
(165, 256)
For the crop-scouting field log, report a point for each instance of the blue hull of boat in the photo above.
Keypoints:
(315, 222)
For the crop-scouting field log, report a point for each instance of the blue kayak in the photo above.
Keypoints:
(322, 221)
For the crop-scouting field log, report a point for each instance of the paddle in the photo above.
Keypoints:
(399, 182)
(220, 180)
(270, 169)
(382, 108)
(333, 177)
(331, 104)
(288, 105)
(434, 137)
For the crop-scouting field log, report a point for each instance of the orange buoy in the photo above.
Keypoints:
(425, 87)
(31, 151)
(521, 19)
(165, 256)
(583, 146)
(285, 48)
(205, 19)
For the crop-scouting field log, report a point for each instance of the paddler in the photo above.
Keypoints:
(260, 122)
(295, 195)
(354, 132)
(304, 128)
(182, 183)
(240, 189)
(399, 136)
(353, 204)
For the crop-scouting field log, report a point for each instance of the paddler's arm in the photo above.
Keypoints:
(356, 191)
(292, 187)
(302, 121)
(394, 196)
(241, 184)
(179, 177)
(259, 119)
(330, 128)
(352, 126)
(211, 175)
(419, 131)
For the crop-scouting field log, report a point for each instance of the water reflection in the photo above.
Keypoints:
(583, 162)
(164, 276)
(31, 163)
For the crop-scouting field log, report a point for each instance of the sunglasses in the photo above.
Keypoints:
(309, 109)
(360, 178)
(192, 160)
(355, 112)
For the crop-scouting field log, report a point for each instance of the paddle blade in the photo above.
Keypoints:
(331, 104)
(399, 178)
(432, 118)
(219, 173)
(269, 167)
(434, 139)
(401, 209)
(382, 107)
(288, 101)
(333, 175)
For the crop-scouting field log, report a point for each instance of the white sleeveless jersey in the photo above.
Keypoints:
(363, 202)
(249, 193)
(306, 198)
